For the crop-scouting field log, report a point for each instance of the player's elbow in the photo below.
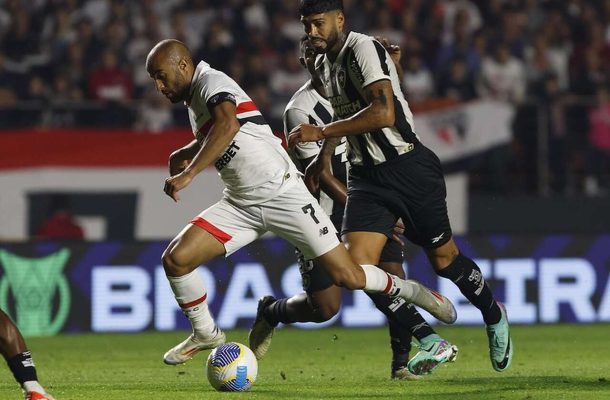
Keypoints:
(384, 117)
(388, 117)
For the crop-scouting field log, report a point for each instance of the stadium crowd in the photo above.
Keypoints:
(62, 61)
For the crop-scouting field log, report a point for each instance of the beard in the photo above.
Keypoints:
(322, 46)
(182, 90)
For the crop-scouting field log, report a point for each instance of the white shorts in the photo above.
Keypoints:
(294, 215)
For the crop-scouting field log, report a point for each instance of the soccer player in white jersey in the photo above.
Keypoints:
(264, 192)
(321, 299)
(392, 175)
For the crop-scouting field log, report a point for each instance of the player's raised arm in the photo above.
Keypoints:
(220, 136)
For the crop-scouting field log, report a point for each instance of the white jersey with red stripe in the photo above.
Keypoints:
(254, 167)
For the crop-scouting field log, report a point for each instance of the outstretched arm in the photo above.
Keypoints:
(220, 136)
(377, 115)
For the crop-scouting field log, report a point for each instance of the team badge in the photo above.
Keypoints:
(341, 78)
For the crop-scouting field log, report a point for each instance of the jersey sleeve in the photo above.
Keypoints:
(293, 117)
(217, 88)
(371, 60)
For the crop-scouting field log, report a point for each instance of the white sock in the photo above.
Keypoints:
(191, 295)
(377, 280)
(33, 386)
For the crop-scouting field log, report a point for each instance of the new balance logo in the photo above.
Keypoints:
(324, 231)
(438, 238)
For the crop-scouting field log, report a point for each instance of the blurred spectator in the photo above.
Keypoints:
(553, 105)
(460, 12)
(110, 82)
(154, 113)
(60, 223)
(8, 96)
(457, 83)
(502, 77)
(538, 64)
(592, 75)
(599, 144)
(217, 48)
(417, 80)
(384, 27)
(289, 77)
(64, 95)
(461, 44)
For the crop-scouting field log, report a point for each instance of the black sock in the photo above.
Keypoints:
(468, 278)
(400, 342)
(22, 366)
(404, 314)
(417, 324)
(277, 312)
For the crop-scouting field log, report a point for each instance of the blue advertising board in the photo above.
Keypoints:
(52, 287)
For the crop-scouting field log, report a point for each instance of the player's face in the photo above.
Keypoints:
(323, 30)
(170, 80)
(308, 56)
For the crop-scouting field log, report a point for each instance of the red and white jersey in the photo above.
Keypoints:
(254, 167)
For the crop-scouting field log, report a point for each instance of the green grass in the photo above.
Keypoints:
(551, 362)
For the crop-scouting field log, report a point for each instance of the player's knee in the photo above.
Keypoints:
(175, 262)
(347, 278)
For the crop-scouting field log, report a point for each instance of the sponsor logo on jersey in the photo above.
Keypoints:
(438, 238)
(228, 155)
(343, 109)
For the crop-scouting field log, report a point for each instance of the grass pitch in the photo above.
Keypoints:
(551, 362)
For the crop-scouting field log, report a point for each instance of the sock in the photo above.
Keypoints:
(33, 386)
(405, 315)
(429, 340)
(23, 368)
(468, 278)
(379, 281)
(190, 294)
(400, 342)
(418, 326)
(277, 312)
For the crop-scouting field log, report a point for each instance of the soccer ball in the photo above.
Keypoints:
(232, 367)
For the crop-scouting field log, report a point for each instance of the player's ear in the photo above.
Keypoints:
(182, 64)
(340, 18)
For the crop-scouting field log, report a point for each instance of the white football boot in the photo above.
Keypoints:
(191, 346)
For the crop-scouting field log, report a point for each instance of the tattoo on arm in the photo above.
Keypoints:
(379, 97)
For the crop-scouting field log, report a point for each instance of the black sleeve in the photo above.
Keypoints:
(219, 98)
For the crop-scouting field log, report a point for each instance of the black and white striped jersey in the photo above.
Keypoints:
(362, 61)
(307, 106)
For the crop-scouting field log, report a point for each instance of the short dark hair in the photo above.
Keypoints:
(310, 7)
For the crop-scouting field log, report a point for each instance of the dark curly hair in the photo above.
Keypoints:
(309, 7)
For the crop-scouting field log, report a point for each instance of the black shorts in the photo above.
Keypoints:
(314, 277)
(411, 187)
